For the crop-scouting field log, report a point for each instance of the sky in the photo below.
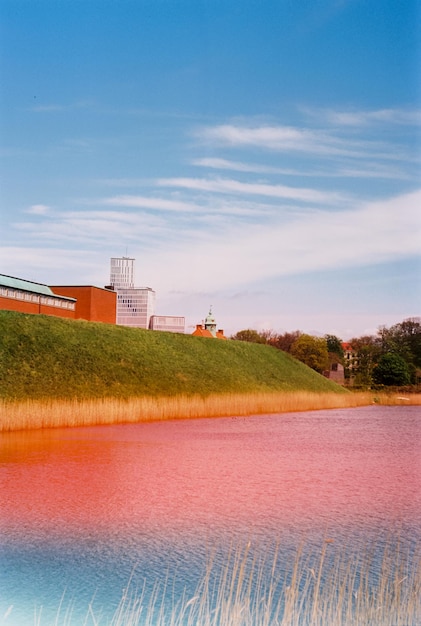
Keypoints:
(260, 157)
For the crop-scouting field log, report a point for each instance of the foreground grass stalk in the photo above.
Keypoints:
(251, 588)
(32, 414)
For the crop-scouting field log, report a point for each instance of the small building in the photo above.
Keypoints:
(25, 296)
(350, 355)
(336, 373)
(95, 304)
(167, 323)
(342, 370)
(208, 328)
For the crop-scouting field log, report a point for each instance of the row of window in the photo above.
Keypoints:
(127, 303)
(133, 321)
(167, 319)
(32, 297)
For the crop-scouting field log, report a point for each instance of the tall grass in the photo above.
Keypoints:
(33, 414)
(331, 587)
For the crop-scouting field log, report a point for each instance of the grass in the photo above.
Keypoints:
(32, 414)
(44, 357)
(56, 372)
(332, 586)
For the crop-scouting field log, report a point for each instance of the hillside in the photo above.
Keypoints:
(48, 357)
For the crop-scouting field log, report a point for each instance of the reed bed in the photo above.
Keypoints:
(380, 586)
(35, 414)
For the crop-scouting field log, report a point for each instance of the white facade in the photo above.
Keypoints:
(135, 305)
(122, 273)
(169, 323)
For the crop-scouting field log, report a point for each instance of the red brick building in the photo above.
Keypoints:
(94, 304)
(26, 296)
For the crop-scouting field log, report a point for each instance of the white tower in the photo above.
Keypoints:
(135, 305)
(122, 273)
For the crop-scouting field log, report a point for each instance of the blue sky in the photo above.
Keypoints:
(262, 157)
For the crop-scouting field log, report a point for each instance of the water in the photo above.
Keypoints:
(84, 510)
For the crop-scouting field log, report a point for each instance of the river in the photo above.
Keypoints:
(85, 510)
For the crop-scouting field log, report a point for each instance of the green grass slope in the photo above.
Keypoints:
(48, 357)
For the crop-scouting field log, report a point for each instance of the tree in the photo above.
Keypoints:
(403, 339)
(411, 331)
(249, 335)
(392, 369)
(285, 341)
(268, 335)
(368, 351)
(334, 346)
(312, 351)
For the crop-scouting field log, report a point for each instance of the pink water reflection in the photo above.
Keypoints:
(327, 469)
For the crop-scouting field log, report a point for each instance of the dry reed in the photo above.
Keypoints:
(334, 587)
(35, 414)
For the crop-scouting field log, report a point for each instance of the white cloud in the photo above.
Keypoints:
(158, 204)
(38, 209)
(374, 232)
(371, 170)
(291, 139)
(47, 265)
(225, 164)
(329, 134)
(96, 227)
(221, 251)
(261, 189)
(380, 116)
(230, 257)
(206, 208)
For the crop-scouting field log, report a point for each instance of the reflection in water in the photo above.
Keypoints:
(81, 508)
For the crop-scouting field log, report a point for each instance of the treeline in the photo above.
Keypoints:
(392, 357)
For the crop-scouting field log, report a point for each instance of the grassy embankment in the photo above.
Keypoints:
(57, 372)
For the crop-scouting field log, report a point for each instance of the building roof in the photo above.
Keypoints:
(81, 287)
(24, 285)
(202, 332)
(28, 285)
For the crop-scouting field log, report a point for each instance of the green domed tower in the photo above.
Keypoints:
(210, 323)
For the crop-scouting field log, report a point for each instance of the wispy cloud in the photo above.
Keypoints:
(231, 186)
(237, 230)
(290, 139)
(157, 204)
(185, 206)
(237, 166)
(224, 253)
(98, 227)
(371, 170)
(365, 118)
(38, 209)
(26, 257)
(55, 107)
(326, 133)
(373, 232)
